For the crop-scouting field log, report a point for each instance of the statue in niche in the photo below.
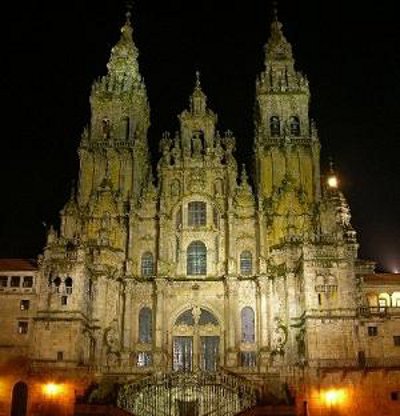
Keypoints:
(111, 337)
(197, 143)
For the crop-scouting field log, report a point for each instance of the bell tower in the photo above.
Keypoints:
(286, 142)
(116, 139)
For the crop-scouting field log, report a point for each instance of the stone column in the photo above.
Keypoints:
(159, 327)
(231, 321)
(262, 292)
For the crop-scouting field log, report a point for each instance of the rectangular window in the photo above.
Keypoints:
(197, 214)
(144, 359)
(248, 359)
(3, 281)
(396, 340)
(28, 281)
(372, 331)
(60, 355)
(15, 281)
(395, 395)
(64, 300)
(24, 305)
(22, 327)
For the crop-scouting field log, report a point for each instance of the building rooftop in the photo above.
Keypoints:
(382, 278)
(15, 265)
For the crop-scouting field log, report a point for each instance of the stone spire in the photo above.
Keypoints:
(123, 64)
(277, 48)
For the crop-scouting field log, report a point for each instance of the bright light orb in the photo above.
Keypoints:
(334, 396)
(332, 182)
(52, 389)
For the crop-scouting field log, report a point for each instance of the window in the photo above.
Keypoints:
(294, 126)
(382, 305)
(147, 265)
(60, 355)
(28, 281)
(3, 281)
(24, 305)
(15, 281)
(127, 123)
(68, 285)
(248, 359)
(144, 359)
(247, 320)
(275, 126)
(197, 212)
(57, 283)
(64, 300)
(246, 262)
(395, 395)
(372, 331)
(22, 327)
(396, 340)
(196, 258)
(145, 325)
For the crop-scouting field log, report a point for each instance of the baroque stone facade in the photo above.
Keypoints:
(201, 267)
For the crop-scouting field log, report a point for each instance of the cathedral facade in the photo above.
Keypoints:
(203, 266)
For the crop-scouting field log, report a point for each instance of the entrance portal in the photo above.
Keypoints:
(196, 341)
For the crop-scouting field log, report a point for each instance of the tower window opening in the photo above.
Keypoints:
(68, 285)
(294, 126)
(22, 327)
(15, 281)
(28, 281)
(275, 126)
(24, 304)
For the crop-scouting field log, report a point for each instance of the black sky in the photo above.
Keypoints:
(52, 52)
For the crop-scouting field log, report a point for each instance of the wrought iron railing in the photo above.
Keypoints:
(188, 394)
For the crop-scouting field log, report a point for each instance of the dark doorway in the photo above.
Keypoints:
(190, 408)
(19, 399)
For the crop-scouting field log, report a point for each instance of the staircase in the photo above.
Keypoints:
(188, 394)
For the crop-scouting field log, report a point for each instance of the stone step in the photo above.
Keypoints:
(269, 410)
(98, 410)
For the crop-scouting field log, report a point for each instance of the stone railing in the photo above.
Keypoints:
(382, 311)
(189, 394)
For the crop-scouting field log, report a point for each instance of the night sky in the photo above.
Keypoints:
(52, 52)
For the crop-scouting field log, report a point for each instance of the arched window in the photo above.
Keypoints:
(294, 126)
(147, 264)
(196, 258)
(246, 262)
(57, 283)
(247, 320)
(275, 126)
(68, 285)
(197, 214)
(145, 325)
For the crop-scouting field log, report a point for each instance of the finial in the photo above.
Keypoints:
(128, 14)
(243, 175)
(198, 85)
(275, 10)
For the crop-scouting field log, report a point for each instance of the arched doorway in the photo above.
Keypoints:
(19, 399)
(196, 341)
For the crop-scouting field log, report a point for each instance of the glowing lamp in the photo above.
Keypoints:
(332, 181)
(52, 389)
(334, 396)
